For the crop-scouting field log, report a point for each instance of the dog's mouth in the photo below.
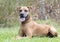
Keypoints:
(22, 17)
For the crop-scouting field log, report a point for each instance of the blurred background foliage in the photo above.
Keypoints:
(41, 10)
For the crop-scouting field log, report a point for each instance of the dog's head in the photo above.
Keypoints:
(23, 12)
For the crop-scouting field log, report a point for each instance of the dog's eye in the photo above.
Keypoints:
(26, 10)
(20, 10)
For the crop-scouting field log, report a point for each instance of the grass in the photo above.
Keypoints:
(6, 35)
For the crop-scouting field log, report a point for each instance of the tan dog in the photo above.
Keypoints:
(30, 28)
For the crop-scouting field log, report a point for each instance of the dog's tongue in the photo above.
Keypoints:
(22, 19)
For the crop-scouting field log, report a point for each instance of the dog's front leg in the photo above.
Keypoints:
(20, 33)
(29, 33)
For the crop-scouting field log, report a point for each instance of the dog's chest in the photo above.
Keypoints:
(26, 26)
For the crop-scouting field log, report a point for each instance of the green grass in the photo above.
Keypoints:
(6, 35)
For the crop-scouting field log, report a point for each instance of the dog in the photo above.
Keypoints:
(30, 28)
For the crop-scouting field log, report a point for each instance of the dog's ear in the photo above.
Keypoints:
(18, 8)
(30, 7)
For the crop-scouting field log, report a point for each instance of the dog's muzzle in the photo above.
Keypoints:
(23, 17)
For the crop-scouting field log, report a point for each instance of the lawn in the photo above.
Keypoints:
(7, 34)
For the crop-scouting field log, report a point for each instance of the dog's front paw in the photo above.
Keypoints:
(18, 37)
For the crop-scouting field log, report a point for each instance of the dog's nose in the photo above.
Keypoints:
(21, 15)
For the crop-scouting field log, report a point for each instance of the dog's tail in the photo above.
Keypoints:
(52, 32)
